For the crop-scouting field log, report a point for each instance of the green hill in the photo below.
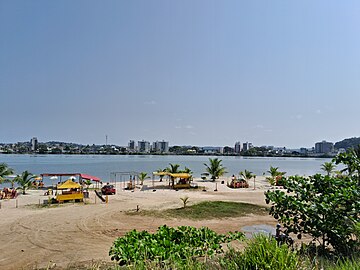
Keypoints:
(348, 143)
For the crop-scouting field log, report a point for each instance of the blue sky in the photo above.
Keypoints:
(283, 73)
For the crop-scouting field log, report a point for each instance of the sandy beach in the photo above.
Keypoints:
(37, 237)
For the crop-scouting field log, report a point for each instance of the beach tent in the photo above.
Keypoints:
(68, 184)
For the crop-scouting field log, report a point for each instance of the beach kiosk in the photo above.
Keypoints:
(70, 191)
(180, 180)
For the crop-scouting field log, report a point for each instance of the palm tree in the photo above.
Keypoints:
(25, 181)
(185, 200)
(246, 175)
(215, 169)
(142, 177)
(328, 167)
(5, 171)
(173, 168)
(187, 170)
(275, 174)
(161, 171)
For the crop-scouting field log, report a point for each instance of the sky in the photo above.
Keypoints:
(203, 72)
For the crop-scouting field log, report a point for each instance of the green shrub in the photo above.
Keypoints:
(262, 252)
(169, 245)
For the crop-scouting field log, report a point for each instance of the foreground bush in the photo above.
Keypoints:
(169, 246)
(325, 207)
(262, 252)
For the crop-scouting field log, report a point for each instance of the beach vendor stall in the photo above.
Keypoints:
(70, 191)
(180, 180)
(176, 180)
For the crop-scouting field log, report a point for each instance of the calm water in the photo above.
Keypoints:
(102, 166)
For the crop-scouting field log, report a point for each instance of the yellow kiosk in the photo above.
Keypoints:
(181, 180)
(70, 191)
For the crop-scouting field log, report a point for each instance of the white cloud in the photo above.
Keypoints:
(150, 102)
(259, 126)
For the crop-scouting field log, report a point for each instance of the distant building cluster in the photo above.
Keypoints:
(242, 147)
(322, 148)
(146, 147)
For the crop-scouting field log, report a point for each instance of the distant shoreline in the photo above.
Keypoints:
(171, 154)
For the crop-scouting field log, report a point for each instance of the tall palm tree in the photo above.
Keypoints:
(173, 168)
(142, 177)
(25, 181)
(5, 171)
(328, 167)
(215, 168)
(246, 175)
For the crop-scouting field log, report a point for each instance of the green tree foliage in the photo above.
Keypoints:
(25, 181)
(327, 208)
(215, 168)
(351, 160)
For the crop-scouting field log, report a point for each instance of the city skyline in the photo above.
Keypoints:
(199, 73)
(134, 143)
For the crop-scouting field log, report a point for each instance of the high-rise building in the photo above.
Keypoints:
(237, 147)
(161, 146)
(131, 146)
(247, 146)
(144, 146)
(34, 144)
(324, 147)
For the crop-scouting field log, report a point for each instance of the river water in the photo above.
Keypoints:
(102, 165)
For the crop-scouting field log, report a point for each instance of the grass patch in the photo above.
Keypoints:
(208, 210)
